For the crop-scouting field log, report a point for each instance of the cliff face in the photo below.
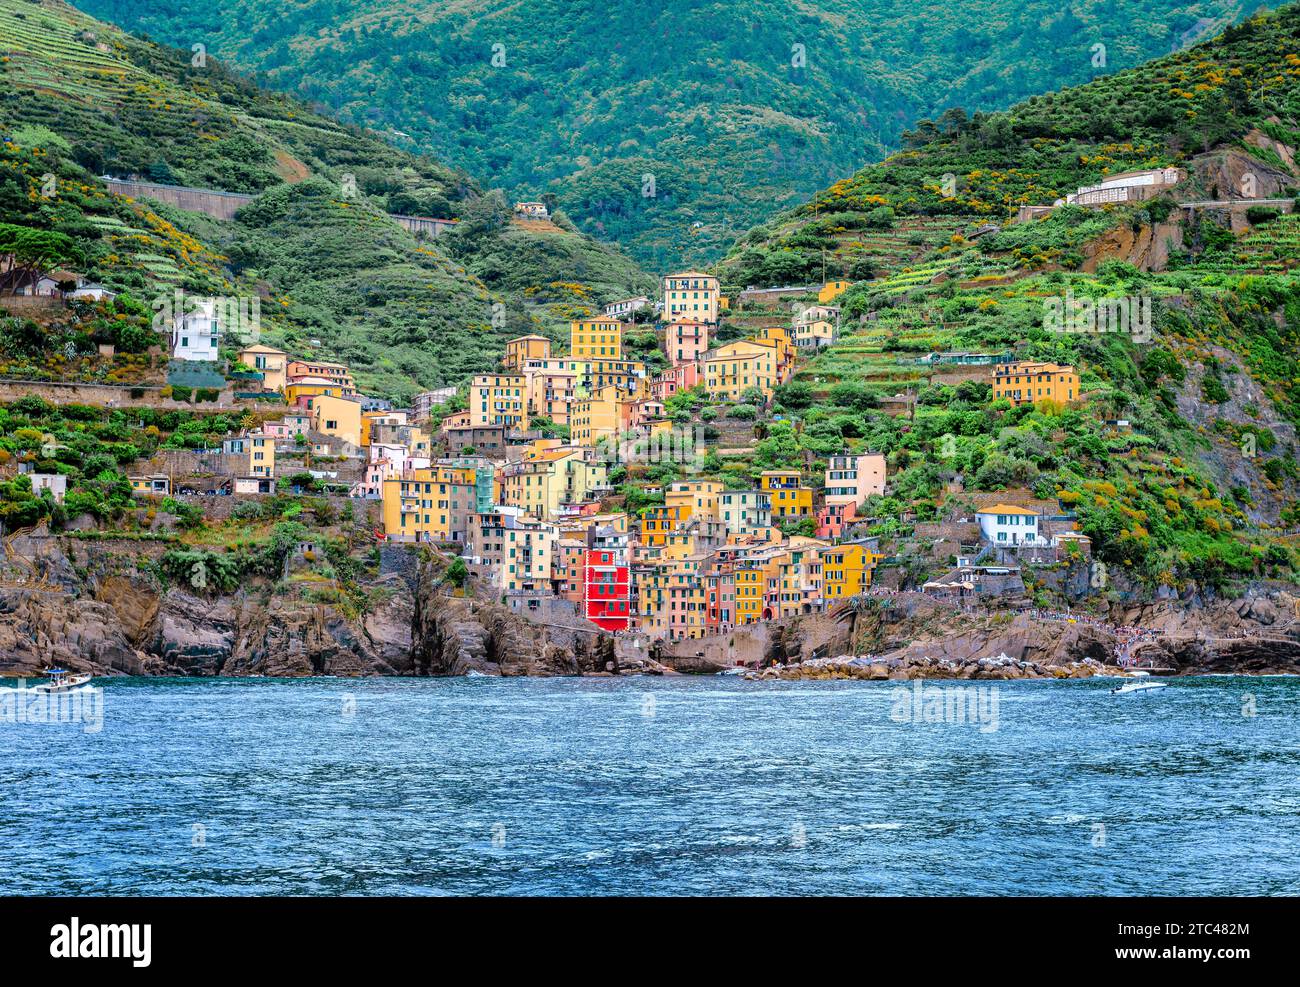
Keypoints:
(94, 613)
(104, 616)
(458, 635)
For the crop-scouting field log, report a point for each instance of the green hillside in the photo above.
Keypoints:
(79, 99)
(963, 171)
(737, 110)
(1181, 463)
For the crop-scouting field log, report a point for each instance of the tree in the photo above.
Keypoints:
(25, 251)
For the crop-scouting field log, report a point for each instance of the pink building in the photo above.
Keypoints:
(834, 518)
(685, 340)
(679, 378)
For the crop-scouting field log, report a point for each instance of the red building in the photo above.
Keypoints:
(606, 591)
(720, 596)
(832, 519)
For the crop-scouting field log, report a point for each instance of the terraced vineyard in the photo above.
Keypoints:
(1272, 247)
(51, 54)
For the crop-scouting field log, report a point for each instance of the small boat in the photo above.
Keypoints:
(61, 680)
(1142, 682)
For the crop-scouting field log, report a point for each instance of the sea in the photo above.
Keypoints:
(652, 786)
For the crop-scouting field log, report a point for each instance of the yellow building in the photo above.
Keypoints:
(832, 290)
(337, 417)
(846, 571)
(261, 455)
(671, 600)
(752, 575)
(629, 376)
(550, 393)
(783, 340)
(271, 363)
(521, 349)
(691, 295)
(731, 370)
(658, 522)
(814, 335)
(528, 548)
(596, 338)
(701, 496)
(311, 388)
(790, 500)
(337, 375)
(596, 417)
(548, 478)
(498, 399)
(431, 504)
(1029, 383)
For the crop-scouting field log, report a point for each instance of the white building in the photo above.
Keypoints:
(852, 479)
(1131, 186)
(624, 307)
(195, 333)
(1006, 525)
(56, 483)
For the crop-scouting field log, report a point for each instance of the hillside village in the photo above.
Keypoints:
(1059, 379)
(521, 484)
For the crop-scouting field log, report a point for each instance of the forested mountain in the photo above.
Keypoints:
(1234, 90)
(669, 127)
(80, 99)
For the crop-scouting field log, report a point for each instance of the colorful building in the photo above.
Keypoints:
(852, 479)
(745, 512)
(596, 338)
(691, 295)
(658, 522)
(498, 399)
(1029, 383)
(734, 369)
(679, 378)
(521, 349)
(434, 504)
(846, 571)
(607, 591)
(261, 455)
(834, 518)
(595, 417)
(832, 290)
(790, 500)
(701, 496)
(337, 417)
(334, 375)
(271, 363)
(685, 340)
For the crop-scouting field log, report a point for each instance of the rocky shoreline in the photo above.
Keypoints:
(95, 611)
(897, 669)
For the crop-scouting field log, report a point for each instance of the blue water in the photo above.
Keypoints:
(652, 786)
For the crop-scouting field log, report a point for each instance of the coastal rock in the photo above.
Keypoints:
(41, 628)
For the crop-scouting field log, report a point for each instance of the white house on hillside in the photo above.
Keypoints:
(195, 332)
(1005, 525)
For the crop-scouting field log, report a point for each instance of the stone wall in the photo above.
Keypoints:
(111, 396)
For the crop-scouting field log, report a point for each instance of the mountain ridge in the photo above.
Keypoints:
(731, 110)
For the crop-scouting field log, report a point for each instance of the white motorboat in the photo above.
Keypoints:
(61, 680)
(1142, 682)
